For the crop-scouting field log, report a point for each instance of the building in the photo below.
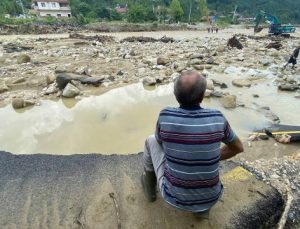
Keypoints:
(122, 9)
(54, 8)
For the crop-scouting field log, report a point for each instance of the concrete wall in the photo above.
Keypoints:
(52, 9)
(53, 13)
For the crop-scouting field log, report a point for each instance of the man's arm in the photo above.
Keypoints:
(231, 149)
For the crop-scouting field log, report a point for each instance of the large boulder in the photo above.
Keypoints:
(23, 58)
(241, 83)
(228, 101)
(70, 91)
(235, 43)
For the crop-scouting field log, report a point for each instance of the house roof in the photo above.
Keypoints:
(60, 1)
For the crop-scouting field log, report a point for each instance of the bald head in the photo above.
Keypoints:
(189, 88)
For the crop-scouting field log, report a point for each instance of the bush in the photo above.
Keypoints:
(136, 13)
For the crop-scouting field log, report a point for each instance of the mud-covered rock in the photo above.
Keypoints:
(3, 87)
(19, 103)
(23, 58)
(228, 101)
(163, 60)
(241, 83)
(70, 91)
(235, 43)
(149, 81)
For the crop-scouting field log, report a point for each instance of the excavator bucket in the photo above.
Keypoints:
(257, 29)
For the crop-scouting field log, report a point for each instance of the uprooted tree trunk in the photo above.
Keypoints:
(235, 43)
(100, 38)
(275, 45)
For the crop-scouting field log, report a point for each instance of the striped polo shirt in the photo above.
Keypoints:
(191, 138)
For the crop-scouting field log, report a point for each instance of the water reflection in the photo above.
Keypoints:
(115, 122)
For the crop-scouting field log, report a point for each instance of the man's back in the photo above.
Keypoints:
(296, 53)
(191, 140)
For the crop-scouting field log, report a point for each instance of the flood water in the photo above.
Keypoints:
(115, 122)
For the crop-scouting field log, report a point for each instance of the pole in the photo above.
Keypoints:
(21, 4)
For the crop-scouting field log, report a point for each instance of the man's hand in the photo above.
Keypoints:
(231, 149)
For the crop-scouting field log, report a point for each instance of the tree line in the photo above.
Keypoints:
(174, 10)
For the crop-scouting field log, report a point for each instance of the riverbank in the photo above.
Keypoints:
(44, 191)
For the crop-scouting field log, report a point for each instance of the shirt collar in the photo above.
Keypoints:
(191, 107)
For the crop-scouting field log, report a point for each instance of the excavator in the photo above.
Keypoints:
(276, 28)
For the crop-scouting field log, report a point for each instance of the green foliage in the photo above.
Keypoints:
(176, 10)
(136, 13)
(184, 10)
(203, 8)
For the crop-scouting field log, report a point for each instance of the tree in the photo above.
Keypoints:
(176, 10)
(203, 8)
(136, 13)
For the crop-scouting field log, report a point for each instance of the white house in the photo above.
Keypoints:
(54, 8)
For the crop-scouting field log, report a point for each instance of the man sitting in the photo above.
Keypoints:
(184, 155)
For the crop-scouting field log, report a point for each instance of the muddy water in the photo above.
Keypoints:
(115, 122)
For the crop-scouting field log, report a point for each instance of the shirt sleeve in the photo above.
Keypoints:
(157, 130)
(229, 134)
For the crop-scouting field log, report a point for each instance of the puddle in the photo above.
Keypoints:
(115, 122)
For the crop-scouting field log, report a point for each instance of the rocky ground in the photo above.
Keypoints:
(80, 66)
(283, 174)
(35, 69)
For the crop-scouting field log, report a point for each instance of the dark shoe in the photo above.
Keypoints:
(202, 215)
(148, 180)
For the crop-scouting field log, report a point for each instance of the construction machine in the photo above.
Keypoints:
(276, 28)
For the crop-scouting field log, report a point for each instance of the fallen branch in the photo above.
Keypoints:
(78, 219)
(112, 195)
(284, 215)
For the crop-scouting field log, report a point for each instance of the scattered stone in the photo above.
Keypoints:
(51, 89)
(3, 87)
(93, 80)
(297, 95)
(217, 94)
(197, 56)
(70, 91)
(19, 103)
(235, 43)
(241, 83)
(50, 78)
(199, 67)
(288, 87)
(163, 60)
(265, 62)
(210, 60)
(210, 84)
(195, 62)
(208, 93)
(23, 58)
(120, 73)
(62, 80)
(19, 80)
(228, 101)
(255, 95)
(148, 81)
(274, 45)
(13, 47)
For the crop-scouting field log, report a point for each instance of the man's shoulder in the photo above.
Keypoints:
(177, 110)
